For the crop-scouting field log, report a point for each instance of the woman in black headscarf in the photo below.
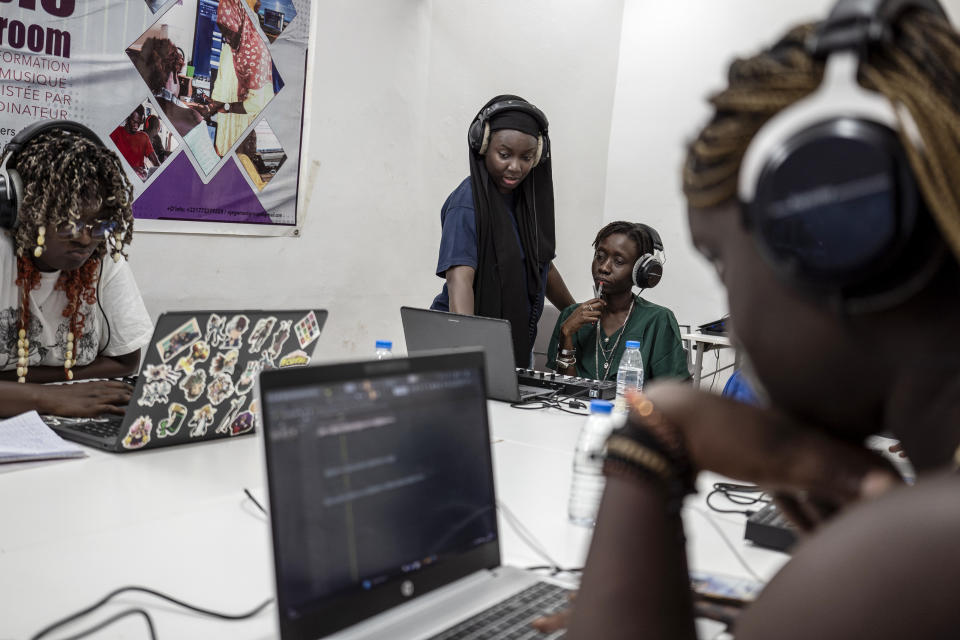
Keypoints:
(498, 243)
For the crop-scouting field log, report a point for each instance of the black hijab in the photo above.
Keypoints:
(498, 287)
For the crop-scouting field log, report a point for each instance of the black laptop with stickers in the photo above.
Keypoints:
(197, 376)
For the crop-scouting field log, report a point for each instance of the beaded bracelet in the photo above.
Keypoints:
(566, 363)
(639, 450)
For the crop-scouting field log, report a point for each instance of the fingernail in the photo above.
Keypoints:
(876, 483)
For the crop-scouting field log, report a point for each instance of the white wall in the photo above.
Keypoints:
(672, 56)
(394, 86)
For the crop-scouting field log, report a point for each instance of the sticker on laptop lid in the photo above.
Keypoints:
(201, 419)
(181, 338)
(225, 362)
(161, 373)
(170, 425)
(194, 384)
(260, 333)
(234, 330)
(220, 388)
(139, 433)
(307, 330)
(155, 393)
(298, 358)
(277, 341)
(214, 335)
(248, 377)
(243, 423)
(199, 352)
(231, 415)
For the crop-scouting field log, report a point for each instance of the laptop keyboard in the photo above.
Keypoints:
(510, 619)
(108, 429)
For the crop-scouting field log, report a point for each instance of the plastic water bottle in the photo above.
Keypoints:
(384, 349)
(629, 376)
(586, 489)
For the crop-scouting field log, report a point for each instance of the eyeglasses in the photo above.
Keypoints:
(98, 229)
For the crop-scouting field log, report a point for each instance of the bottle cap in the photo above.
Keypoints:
(384, 344)
(601, 406)
(633, 344)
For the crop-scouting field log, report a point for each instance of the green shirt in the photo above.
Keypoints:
(653, 326)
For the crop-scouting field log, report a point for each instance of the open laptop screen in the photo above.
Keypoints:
(380, 481)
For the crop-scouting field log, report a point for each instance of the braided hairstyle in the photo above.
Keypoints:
(635, 232)
(918, 70)
(64, 174)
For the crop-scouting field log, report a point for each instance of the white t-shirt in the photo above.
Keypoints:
(130, 327)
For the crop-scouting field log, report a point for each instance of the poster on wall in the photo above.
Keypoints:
(202, 100)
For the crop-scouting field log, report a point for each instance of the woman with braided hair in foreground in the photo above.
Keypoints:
(879, 558)
(69, 306)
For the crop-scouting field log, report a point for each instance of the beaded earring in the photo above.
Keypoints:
(27, 283)
(41, 240)
(117, 245)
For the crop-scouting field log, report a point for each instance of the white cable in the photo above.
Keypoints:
(526, 536)
(727, 542)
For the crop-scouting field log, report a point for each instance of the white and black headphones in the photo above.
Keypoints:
(11, 185)
(478, 135)
(826, 188)
(648, 269)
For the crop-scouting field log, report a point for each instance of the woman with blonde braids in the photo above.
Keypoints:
(69, 306)
(878, 559)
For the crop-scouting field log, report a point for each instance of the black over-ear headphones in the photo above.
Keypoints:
(648, 269)
(825, 185)
(11, 185)
(478, 135)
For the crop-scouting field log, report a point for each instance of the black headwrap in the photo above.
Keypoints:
(498, 287)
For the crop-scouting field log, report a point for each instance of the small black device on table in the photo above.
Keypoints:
(568, 385)
(769, 528)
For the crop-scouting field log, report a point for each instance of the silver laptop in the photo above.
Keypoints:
(426, 330)
(382, 504)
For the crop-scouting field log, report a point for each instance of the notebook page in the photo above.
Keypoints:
(26, 437)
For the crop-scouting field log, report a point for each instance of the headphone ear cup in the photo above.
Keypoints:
(474, 134)
(485, 140)
(647, 271)
(536, 160)
(11, 194)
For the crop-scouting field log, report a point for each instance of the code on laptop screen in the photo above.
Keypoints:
(376, 477)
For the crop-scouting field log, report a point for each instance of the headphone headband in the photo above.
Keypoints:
(478, 135)
(856, 24)
(514, 105)
(654, 236)
(31, 131)
(11, 185)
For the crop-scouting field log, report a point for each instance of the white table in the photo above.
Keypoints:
(700, 343)
(177, 520)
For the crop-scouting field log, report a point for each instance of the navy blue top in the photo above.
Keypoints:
(458, 246)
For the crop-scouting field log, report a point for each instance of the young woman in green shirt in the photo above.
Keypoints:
(588, 339)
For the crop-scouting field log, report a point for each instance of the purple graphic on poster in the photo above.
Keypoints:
(165, 197)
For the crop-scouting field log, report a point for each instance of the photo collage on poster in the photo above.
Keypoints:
(208, 66)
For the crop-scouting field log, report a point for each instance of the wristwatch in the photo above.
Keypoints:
(226, 107)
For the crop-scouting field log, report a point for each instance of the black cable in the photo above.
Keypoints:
(735, 493)
(163, 596)
(112, 619)
(255, 501)
(104, 313)
(546, 402)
